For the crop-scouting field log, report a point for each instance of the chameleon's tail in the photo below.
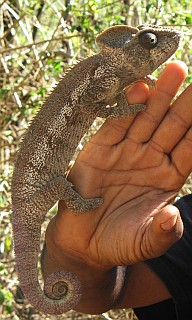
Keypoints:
(62, 289)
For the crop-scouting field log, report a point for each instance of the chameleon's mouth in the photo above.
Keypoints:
(178, 38)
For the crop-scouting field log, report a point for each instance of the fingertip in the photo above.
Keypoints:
(179, 66)
(167, 229)
(172, 76)
(170, 221)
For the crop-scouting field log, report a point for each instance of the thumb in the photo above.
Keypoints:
(166, 228)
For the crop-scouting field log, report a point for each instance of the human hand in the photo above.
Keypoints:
(137, 165)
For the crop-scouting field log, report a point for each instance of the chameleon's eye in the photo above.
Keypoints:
(148, 40)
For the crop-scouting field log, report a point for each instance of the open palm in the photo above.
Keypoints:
(136, 165)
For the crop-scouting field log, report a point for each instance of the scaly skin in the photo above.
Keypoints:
(127, 55)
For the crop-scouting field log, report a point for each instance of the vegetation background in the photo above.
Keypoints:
(39, 40)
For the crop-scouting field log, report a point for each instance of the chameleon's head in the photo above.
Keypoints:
(156, 44)
(142, 49)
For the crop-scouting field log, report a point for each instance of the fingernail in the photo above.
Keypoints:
(169, 224)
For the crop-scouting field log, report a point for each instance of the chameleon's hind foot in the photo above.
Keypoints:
(77, 203)
(81, 205)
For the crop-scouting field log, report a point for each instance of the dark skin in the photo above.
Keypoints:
(136, 165)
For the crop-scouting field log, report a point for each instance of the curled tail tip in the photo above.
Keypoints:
(63, 292)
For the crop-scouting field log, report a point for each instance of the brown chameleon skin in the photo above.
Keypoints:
(126, 55)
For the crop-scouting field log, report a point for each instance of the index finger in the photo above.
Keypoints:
(159, 101)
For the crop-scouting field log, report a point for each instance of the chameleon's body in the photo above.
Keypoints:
(127, 55)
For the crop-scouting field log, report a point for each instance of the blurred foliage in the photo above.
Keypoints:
(39, 40)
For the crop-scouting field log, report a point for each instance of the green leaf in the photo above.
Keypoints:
(8, 243)
(57, 66)
(9, 308)
(8, 295)
(188, 19)
(148, 7)
(2, 297)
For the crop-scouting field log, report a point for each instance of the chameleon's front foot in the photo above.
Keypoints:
(64, 286)
(123, 109)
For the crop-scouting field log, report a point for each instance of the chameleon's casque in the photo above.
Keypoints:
(126, 55)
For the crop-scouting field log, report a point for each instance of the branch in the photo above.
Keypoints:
(39, 43)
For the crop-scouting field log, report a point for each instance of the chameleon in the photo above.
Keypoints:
(94, 87)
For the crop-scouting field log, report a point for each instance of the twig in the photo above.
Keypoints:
(39, 43)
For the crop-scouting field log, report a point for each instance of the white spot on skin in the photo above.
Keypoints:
(99, 72)
(78, 91)
(58, 124)
(39, 158)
